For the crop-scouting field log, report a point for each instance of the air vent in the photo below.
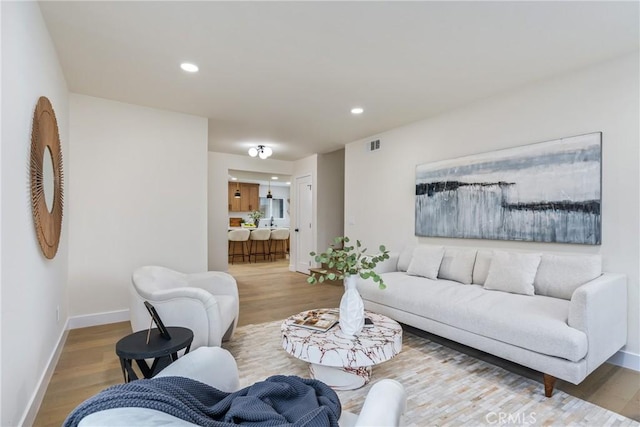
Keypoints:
(373, 145)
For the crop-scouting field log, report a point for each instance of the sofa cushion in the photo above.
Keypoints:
(457, 265)
(481, 266)
(559, 275)
(537, 323)
(512, 272)
(425, 261)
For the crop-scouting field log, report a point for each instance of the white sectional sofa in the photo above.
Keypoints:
(557, 314)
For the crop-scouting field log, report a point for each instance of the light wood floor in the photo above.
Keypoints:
(268, 292)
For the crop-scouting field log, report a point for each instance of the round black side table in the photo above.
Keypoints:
(163, 351)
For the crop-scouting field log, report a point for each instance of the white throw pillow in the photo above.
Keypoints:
(512, 272)
(481, 267)
(457, 264)
(559, 275)
(426, 261)
(405, 258)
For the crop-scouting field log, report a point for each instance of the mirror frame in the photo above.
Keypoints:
(44, 133)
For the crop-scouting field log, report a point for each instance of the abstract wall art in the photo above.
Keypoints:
(544, 192)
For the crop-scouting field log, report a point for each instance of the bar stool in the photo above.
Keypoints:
(279, 240)
(238, 238)
(259, 236)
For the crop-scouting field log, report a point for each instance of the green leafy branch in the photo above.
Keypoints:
(343, 260)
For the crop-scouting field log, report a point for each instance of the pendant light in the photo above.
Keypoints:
(269, 196)
(237, 193)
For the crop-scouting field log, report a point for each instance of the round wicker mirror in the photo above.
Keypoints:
(45, 148)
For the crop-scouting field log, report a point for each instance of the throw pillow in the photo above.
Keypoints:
(426, 261)
(512, 272)
(481, 267)
(457, 265)
(405, 258)
(559, 275)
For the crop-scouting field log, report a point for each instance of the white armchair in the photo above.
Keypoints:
(207, 303)
(384, 405)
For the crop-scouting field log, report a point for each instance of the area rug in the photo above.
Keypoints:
(444, 387)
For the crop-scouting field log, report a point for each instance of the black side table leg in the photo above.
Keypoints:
(144, 368)
(127, 370)
(174, 356)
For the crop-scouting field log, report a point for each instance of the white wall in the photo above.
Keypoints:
(330, 204)
(32, 287)
(379, 195)
(137, 196)
(218, 188)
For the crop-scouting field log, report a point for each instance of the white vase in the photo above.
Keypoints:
(351, 308)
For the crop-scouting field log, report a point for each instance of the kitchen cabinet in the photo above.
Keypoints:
(234, 204)
(249, 197)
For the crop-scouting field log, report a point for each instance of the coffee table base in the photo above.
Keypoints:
(341, 378)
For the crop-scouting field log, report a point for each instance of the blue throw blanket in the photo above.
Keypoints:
(278, 401)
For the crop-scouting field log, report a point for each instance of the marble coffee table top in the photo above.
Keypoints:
(373, 345)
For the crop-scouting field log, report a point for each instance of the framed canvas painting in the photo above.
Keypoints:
(544, 192)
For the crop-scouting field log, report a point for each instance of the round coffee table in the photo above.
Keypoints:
(342, 362)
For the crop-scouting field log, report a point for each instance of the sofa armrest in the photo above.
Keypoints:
(384, 405)
(388, 265)
(599, 309)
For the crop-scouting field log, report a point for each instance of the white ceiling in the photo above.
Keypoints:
(287, 73)
(276, 180)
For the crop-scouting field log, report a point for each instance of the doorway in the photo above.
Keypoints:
(303, 229)
(250, 192)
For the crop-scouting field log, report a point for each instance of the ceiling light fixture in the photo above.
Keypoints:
(190, 68)
(357, 110)
(269, 196)
(261, 151)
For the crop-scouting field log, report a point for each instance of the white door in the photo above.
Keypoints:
(302, 230)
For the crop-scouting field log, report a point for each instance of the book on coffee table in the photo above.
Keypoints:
(318, 320)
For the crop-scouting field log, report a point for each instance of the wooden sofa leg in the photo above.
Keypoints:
(549, 382)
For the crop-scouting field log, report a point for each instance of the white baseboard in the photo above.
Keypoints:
(29, 417)
(626, 360)
(96, 319)
(75, 322)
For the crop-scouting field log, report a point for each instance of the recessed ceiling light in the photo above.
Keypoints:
(274, 177)
(233, 178)
(191, 68)
(357, 110)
